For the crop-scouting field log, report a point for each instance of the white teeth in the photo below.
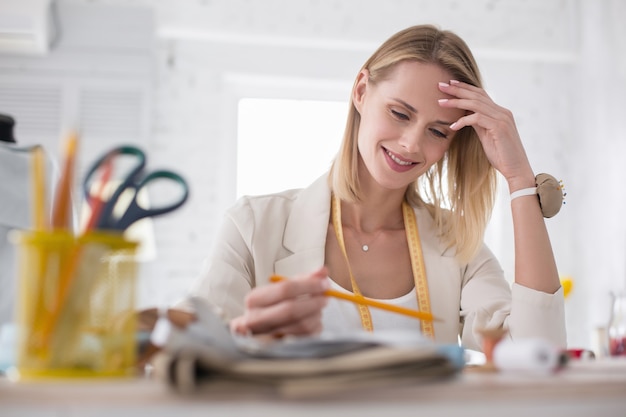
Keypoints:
(398, 161)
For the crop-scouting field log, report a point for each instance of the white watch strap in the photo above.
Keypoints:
(523, 192)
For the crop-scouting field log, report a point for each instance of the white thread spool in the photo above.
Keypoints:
(529, 355)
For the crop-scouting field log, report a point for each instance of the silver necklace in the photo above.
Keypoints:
(365, 247)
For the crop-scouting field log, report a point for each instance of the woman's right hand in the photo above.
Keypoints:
(289, 307)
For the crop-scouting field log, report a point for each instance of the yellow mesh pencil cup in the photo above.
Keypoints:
(75, 307)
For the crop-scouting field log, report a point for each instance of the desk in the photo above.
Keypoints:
(596, 389)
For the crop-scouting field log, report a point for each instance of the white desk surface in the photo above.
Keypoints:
(596, 389)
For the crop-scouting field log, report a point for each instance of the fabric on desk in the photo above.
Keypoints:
(285, 234)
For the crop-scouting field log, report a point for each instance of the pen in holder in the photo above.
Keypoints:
(75, 310)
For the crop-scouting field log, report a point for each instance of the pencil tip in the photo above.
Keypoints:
(276, 278)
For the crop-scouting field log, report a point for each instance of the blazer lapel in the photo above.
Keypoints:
(305, 230)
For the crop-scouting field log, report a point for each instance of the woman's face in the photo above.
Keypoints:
(403, 130)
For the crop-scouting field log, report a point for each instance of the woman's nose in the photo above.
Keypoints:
(411, 140)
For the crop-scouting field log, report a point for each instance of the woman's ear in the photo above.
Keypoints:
(360, 86)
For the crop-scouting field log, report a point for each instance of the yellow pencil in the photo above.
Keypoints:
(359, 299)
(39, 189)
(40, 224)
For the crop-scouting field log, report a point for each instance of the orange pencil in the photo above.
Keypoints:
(62, 199)
(48, 323)
(67, 276)
(61, 220)
(359, 299)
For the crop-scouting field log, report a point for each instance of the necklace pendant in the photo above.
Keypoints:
(365, 248)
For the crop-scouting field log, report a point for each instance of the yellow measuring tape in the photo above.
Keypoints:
(417, 265)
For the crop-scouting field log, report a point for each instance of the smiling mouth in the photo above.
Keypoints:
(398, 160)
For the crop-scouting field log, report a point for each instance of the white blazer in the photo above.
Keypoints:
(285, 234)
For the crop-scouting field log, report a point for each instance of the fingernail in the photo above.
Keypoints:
(241, 329)
(454, 82)
(325, 284)
(442, 100)
(442, 84)
(453, 125)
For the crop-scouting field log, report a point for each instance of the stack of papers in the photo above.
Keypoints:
(205, 355)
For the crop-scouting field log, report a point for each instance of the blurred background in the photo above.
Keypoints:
(239, 96)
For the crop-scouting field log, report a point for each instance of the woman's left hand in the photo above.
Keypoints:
(496, 130)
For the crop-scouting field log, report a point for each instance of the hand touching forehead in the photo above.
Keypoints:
(415, 86)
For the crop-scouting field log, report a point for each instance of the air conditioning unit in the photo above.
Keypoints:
(27, 27)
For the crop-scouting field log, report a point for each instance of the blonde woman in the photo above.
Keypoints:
(400, 217)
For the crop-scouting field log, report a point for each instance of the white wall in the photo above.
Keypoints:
(559, 65)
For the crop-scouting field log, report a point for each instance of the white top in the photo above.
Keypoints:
(342, 316)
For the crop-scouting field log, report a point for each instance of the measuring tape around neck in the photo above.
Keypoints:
(417, 265)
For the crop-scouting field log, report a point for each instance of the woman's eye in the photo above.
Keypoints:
(438, 133)
(399, 115)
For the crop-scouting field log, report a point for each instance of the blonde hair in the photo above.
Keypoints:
(459, 191)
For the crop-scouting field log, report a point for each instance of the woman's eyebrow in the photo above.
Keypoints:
(413, 110)
(405, 104)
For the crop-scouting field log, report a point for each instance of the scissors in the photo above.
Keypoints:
(135, 180)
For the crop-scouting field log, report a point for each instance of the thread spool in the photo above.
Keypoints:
(527, 355)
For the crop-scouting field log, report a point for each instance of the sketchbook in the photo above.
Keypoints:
(206, 356)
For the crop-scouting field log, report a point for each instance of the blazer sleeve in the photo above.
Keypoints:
(489, 301)
(227, 275)
(250, 243)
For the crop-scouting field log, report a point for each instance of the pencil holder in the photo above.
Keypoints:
(75, 308)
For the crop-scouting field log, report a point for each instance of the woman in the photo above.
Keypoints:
(400, 217)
